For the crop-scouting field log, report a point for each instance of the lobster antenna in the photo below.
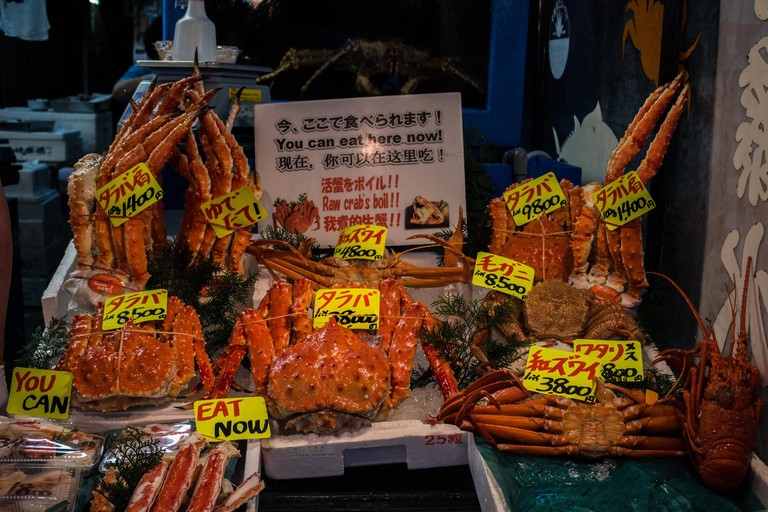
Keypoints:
(690, 304)
(743, 319)
(732, 302)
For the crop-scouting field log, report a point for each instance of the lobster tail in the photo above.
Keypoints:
(726, 465)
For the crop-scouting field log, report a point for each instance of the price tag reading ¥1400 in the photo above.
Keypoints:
(531, 200)
(232, 418)
(502, 274)
(129, 194)
(355, 308)
(623, 200)
(141, 306)
(361, 243)
(554, 372)
(41, 393)
(236, 210)
(622, 360)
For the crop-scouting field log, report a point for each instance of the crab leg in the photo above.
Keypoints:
(135, 108)
(302, 298)
(209, 482)
(235, 110)
(81, 187)
(582, 237)
(201, 182)
(247, 490)
(172, 99)
(180, 474)
(76, 347)
(147, 489)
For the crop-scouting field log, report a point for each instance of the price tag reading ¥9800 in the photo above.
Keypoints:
(554, 372)
(129, 194)
(236, 210)
(622, 360)
(141, 306)
(361, 243)
(623, 200)
(531, 200)
(502, 274)
(355, 308)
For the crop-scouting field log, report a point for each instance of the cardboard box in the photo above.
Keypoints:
(53, 146)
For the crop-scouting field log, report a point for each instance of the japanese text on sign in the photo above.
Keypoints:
(129, 194)
(533, 199)
(247, 96)
(361, 243)
(237, 210)
(622, 360)
(623, 200)
(355, 308)
(141, 306)
(502, 274)
(41, 393)
(554, 372)
(232, 418)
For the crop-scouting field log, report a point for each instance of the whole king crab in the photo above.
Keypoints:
(328, 379)
(139, 364)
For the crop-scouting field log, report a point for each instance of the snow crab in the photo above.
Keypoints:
(139, 364)
(327, 380)
(553, 425)
(296, 217)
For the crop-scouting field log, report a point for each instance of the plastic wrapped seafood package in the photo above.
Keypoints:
(169, 436)
(38, 486)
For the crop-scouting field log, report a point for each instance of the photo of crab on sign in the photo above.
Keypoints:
(394, 161)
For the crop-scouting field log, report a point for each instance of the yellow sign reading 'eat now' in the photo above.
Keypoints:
(231, 419)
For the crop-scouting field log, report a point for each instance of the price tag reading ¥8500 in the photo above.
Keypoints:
(531, 200)
(41, 393)
(141, 306)
(502, 274)
(355, 308)
(623, 200)
(361, 243)
(554, 372)
(236, 210)
(232, 418)
(622, 360)
(129, 194)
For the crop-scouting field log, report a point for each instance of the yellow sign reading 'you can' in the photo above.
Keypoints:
(42, 393)
(232, 418)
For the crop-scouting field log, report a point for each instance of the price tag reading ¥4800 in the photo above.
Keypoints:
(355, 308)
(361, 243)
(554, 372)
(531, 200)
(502, 274)
(129, 194)
(141, 306)
(236, 210)
(623, 200)
(622, 360)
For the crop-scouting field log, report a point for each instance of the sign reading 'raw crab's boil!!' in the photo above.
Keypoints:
(622, 360)
(623, 200)
(41, 393)
(231, 419)
(503, 274)
(554, 372)
(355, 308)
(361, 243)
(237, 210)
(533, 199)
(129, 194)
(141, 306)
(394, 161)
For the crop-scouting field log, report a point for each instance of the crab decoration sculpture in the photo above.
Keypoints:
(140, 364)
(296, 217)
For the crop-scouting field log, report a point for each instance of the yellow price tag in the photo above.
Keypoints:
(247, 96)
(41, 393)
(502, 274)
(354, 308)
(622, 360)
(554, 372)
(531, 200)
(230, 419)
(623, 200)
(129, 194)
(237, 210)
(361, 243)
(141, 306)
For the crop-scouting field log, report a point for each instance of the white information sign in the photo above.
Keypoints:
(394, 161)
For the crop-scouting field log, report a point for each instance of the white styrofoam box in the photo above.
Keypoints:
(41, 233)
(414, 442)
(32, 288)
(95, 129)
(53, 146)
(47, 206)
(34, 181)
(42, 261)
(54, 298)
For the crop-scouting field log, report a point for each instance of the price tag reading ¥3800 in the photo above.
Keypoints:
(502, 274)
(355, 308)
(531, 200)
(232, 418)
(554, 372)
(622, 360)
(623, 200)
(129, 194)
(41, 393)
(141, 306)
(361, 243)
(236, 210)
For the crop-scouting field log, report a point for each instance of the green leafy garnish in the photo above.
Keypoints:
(45, 347)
